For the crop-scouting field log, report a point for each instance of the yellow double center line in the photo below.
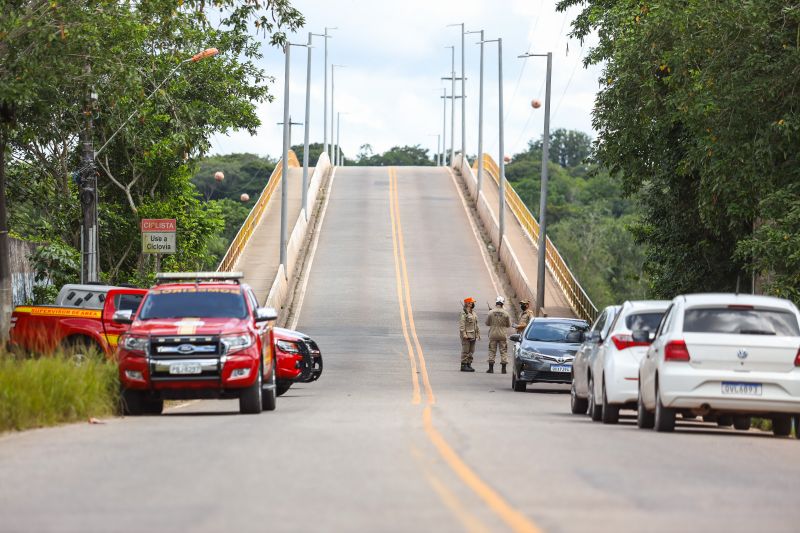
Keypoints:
(512, 517)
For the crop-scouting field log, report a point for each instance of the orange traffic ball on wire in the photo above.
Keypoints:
(244, 197)
(219, 176)
(536, 104)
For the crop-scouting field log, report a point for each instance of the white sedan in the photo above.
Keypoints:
(721, 355)
(616, 363)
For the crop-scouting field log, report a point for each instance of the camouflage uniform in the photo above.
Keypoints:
(469, 332)
(524, 318)
(498, 322)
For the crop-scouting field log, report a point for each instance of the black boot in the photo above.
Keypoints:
(469, 368)
(464, 367)
(491, 369)
(503, 368)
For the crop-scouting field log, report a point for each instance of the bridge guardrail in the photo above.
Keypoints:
(565, 279)
(254, 217)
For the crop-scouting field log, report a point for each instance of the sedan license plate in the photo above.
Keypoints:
(560, 368)
(185, 368)
(734, 388)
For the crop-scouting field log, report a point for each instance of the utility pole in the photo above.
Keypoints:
(90, 264)
(291, 124)
(308, 121)
(325, 98)
(541, 266)
(332, 154)
(287, 134)
(444, 123)
(463, 93)
(502, 207)
(452, 79)
(480, 120)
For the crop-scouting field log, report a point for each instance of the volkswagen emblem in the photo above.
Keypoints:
(742, 354)
(186, 348)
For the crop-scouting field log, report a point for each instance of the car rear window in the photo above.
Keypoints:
(546, 331)
(741, 321)
(199, 303)
(643, 321)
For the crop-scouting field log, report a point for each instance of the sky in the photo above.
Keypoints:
(394, 55)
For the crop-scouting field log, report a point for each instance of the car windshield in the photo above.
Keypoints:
(191, 302)
(643, 321)
(546, 331)
(128, 302)
(742, 321)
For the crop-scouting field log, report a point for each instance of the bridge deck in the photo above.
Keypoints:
(260, 259)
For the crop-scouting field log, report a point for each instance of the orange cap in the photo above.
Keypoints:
(469, 300)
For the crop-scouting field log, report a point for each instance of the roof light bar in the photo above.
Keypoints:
(199, 276)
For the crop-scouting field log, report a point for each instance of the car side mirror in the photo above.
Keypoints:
(122, 317)
(642, 335)
(266, 314)
(592, 336)
(516, 337)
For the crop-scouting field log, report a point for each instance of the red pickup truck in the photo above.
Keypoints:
(197, 335)
(81, 319)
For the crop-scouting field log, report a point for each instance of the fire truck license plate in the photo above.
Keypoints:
(185, 368)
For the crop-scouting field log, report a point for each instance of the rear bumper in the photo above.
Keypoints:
(622, 381)
(684, 387)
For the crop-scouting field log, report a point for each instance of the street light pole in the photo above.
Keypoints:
(452, 102)
(332, 154)
(540, 275)
(502, 208)
(463, 92)
(90, 256)
(338, 147)
(325, 98)
(285, 158)
(480, 121)
(444, 123)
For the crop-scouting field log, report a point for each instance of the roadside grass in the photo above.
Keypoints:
(57, 389)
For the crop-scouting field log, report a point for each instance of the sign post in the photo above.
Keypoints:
(158, 236)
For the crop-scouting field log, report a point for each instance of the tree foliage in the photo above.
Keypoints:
(588, 218)
(698, 113)
(395, 156)
(54, 54)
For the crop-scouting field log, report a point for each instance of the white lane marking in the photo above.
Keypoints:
(481, 244)
(312, 252)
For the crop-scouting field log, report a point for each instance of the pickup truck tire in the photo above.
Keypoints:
(269, 394)
(282, 387)
(251, 397)
(81, 347)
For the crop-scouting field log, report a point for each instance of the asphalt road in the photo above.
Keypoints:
(378, 446)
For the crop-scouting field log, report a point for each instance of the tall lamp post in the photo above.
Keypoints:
(90, 258)
(463, 94)
(287, 124)
(452, 78)
(480, 120)
(444, 123)
(332, 155)
(501, 163)
(325, 97)
(308, 118)
(540, 274)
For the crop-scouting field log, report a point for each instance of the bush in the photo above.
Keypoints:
(55, 390)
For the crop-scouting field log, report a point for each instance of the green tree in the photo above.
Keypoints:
(698, 115)
(395, 156)
(52, 54)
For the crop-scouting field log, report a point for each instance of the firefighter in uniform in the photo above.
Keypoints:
(498, 322)
(469, 333)
(525, 317)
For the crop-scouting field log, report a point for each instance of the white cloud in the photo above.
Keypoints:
(395, 57)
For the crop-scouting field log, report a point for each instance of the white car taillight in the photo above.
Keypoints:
(676, 351)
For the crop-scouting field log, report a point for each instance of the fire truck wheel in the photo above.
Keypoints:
(250, 399)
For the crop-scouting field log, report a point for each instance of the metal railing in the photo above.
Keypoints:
(564, 278)
(251, 222)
